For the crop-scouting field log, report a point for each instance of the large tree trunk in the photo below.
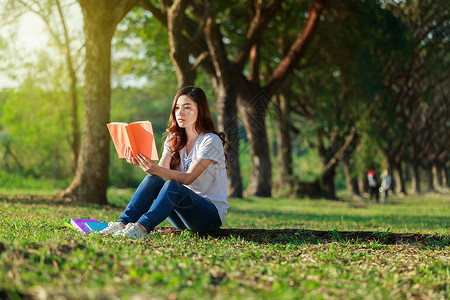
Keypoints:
(224, 83)
(253, 114)
(179, 50)
(91, 177)
(282, 110)
(225, 105)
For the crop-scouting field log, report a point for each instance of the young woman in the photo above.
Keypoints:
(193, 162)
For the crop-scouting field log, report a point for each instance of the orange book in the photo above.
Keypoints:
(137, 135)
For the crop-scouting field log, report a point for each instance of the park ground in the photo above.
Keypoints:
(40, 258)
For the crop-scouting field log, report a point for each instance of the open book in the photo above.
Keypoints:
(137, 135)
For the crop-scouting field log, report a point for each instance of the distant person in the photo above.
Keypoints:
(386, 183)
(373, 184)
(193, 162)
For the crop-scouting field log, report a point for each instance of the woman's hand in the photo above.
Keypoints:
(129, 156)
(147, 165)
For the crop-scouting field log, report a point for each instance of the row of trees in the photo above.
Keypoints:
(338, 76)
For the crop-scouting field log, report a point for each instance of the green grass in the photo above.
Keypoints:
(41, 258)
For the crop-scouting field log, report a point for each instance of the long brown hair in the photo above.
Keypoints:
(203, 124)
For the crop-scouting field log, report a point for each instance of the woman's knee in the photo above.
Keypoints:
(151, 183)
(152, 180)
(172, 185)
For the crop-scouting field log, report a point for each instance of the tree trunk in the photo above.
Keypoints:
(415, 180)
(355, 187)
(328, 184)
(445, 177)
(75, 140)
(253, 114)
(400, 179)
(225, 105)
(311, 189)
(91, 177)
(179, 50)
(348, 179)
(282, 108)
(362, 183)
(430, 186)
(348, 165)
(437, 177)
(351, 183)
(224, 83)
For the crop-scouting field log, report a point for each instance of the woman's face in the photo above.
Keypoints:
(186, 112)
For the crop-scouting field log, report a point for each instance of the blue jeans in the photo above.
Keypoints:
(156, 200)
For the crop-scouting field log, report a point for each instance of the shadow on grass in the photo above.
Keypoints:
(305, 236)
(381, 220)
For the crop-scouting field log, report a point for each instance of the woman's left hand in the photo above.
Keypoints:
(147, 165)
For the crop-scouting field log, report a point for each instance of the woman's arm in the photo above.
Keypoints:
(195, 170)
(165, 161)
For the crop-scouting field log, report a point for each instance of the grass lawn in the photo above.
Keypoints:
(40, 258)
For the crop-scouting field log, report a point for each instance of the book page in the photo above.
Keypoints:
(119, 136)
(144, 139)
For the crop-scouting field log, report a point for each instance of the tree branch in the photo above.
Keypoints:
(216, 47)
(298, 48)
(259, 21)
(160, 14)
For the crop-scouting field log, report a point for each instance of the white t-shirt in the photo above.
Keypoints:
(213, 182)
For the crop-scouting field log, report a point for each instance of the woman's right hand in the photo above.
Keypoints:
(129, 156)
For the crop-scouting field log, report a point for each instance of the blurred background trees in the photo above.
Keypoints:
(311, 94)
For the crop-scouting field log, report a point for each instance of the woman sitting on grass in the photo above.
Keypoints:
(193, 162)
